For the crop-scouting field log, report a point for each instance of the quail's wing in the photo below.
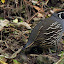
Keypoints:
(44, 31)
(33, 34)
(50, 33)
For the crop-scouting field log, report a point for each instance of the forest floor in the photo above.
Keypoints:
(17, 19)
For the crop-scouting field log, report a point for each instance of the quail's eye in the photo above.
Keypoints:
(61, 15)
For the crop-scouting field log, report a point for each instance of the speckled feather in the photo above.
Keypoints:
(46, 32)
(49, 34)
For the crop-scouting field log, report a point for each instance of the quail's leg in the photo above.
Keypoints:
(59, 47)
(44, 51)
(49, 50)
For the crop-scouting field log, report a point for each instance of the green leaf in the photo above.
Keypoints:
(36, 0)
(1, 18)
(34, 4)
(29, 31)
(15, 61)
(63, 41)
(3, 1)
(15, 21)
(61, 63)
(21, 21)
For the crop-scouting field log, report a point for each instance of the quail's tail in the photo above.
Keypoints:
(33, 35)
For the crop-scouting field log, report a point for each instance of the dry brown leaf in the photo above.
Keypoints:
(3, 23)
(24, 24)
(38, 9)
(56, 9)
(40, 15)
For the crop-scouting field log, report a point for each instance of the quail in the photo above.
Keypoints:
(47, 32)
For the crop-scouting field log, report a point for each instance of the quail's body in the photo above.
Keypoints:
(50, 34)
(46, 33)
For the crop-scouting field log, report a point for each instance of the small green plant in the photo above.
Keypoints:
(15, 61)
